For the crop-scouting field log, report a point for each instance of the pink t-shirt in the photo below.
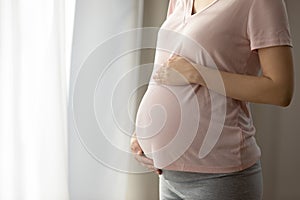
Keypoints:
(189, 127)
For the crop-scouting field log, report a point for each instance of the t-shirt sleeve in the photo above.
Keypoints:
(171, 7)
(268, 24)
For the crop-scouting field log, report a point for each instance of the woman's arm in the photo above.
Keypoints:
(274, 86)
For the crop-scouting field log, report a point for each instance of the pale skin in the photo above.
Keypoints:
(275, 85)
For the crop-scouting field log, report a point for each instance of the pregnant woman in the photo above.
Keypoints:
(194, 125)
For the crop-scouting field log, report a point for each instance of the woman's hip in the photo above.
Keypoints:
(241, 185)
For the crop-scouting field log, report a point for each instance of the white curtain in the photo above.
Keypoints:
(102, 91)
(33, 100)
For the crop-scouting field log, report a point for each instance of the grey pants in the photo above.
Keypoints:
(241, 185)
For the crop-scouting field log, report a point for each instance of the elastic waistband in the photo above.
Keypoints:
(182, 176)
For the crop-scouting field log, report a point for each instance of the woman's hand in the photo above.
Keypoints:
(177, 71)
(140, 156)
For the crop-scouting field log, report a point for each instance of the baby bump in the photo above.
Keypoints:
(167, 120)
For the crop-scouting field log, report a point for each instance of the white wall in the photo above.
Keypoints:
(95, 22)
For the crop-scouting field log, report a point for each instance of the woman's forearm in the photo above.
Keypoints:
(257, 89)
(275, 86)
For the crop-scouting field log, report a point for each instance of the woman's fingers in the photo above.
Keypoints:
(134, 145)
(174, 57)
(140, 156)
(143, 159)
(147, 162)
(161, 74)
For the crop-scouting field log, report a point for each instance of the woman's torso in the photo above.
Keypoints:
(190, 128)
